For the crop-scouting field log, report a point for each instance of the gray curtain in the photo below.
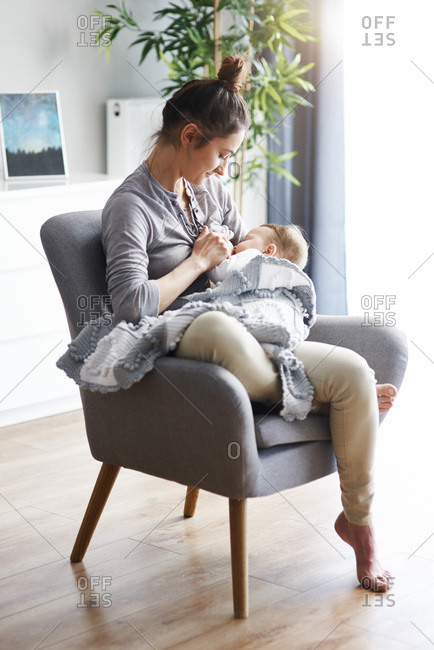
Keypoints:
(317, 133)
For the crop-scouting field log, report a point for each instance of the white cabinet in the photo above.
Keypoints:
(33, 329)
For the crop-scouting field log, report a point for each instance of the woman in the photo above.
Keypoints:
(158, 246)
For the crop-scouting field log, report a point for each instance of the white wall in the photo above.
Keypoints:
(39, 49)
(389, 108)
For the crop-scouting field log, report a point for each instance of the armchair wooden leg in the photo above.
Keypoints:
(101, 491)
(190, 501)
(239, 556)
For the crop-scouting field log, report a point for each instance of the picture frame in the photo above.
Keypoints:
(31, 134)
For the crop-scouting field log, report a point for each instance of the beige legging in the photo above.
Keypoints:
(339, 376)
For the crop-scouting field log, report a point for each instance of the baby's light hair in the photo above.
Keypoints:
(290, 242)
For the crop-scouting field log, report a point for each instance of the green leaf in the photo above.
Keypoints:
(264, 100)
(294, 64)
(145, 51)
(305, 68)
(284, 172)
(275, 96)
(267, 68)
(286, 156)
(291, 14)
(292, 32)
(144, 37)
(302, 84)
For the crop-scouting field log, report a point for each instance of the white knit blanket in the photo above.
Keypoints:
(272, 298)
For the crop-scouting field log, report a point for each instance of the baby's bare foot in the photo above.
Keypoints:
(369, 572)
(386, 394)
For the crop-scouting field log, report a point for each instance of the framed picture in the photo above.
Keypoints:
(32, 136)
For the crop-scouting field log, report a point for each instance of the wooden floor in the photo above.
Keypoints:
(152, 579)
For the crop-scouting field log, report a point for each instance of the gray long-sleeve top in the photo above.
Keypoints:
(145, 235)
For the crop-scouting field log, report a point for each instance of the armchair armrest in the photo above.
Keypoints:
(186, 421)
(384, 348)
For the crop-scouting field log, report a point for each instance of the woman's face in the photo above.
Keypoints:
(212, 158)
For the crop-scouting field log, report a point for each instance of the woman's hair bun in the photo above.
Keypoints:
(232, 73)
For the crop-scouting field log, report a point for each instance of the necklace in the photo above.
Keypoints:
(148, 164)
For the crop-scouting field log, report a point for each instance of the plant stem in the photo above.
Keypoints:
(217, 36)
(240, 180)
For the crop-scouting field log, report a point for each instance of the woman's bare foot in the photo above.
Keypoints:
(386, 394)
(369, 572)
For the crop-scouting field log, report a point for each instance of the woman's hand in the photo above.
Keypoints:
(211, 248)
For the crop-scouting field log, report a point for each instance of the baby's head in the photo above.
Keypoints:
(277, 241)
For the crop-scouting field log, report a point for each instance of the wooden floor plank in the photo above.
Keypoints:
(81, 610)
(304, 620)
(120, 634)
(54, 580)
(165, 624)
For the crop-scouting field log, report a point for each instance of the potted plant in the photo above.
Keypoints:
(193, 45)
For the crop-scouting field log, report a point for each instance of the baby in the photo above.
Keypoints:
(269, 240)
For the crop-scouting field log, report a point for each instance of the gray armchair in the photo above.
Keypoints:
(192, 422)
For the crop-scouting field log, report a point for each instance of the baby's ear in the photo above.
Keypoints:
(270, 250)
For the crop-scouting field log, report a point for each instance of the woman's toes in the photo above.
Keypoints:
(378, 584)
(387, 390)
(386, 394)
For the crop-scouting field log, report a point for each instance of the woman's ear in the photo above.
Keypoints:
(270, 250)
(188, 133)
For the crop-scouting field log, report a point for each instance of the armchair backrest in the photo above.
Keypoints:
(72, 243)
